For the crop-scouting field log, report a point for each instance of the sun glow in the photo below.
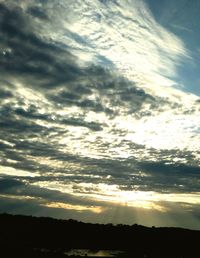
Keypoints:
(164, 131)
(9, 171)
(78, 208)
(112, 194)
(138, 199)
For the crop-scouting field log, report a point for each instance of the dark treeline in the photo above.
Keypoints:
(26, 236)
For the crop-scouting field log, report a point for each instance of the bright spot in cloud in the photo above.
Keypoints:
(77, 208)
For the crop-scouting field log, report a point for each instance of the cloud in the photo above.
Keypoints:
(174, 177)
(40, 206)
(44, 65)
(38, 13)
(74, 124)
(114, 33)
(5, 94)
(6, 184)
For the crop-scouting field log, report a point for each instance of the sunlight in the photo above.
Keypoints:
(60, 205)
(144, 199)
(10, 171)
(139, 199)
(164, 131)
(112, 194)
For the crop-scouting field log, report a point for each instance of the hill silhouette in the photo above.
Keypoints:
(27, 236)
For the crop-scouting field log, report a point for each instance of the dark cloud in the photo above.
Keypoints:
(116, 214)
(42, 196)
(44, 65)
(173, 177)
(16, 206)
(25, 121)
(79, 122)
(6, 184)
(170, 169)
(37, 12)
(128, 174)
(30, 58)
(53, 71)
(31, 113)
(16, 126)
(4, 94)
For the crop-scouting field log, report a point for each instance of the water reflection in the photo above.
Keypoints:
(92, 253)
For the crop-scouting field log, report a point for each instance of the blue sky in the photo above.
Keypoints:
(99, 110)
(181, 18)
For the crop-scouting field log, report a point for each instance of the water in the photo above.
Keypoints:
(92, 253)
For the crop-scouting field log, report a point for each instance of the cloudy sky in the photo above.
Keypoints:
(100, 110)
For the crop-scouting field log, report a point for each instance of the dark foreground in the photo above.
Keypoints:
(24, 236)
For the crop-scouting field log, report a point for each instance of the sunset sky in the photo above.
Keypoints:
(100, 110)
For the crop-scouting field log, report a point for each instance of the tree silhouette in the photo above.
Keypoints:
(27, 236)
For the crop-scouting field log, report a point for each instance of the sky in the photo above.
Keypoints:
(100, 110)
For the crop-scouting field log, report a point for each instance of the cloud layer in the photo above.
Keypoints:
(90, 115)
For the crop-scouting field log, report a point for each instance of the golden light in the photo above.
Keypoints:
(112, 194)
(79, 208)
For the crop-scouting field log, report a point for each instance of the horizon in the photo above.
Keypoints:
(44, 237)
(94, 223)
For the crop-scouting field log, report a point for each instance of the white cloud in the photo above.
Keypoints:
(126, 34)
(141, 50)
